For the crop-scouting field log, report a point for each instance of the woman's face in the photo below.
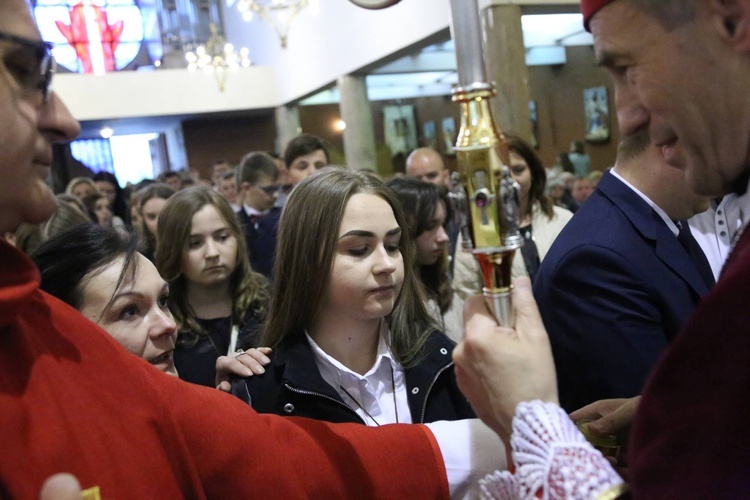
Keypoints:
(107, 189)
(138, 317)
(521, 172)
(135, 217)
(103, 212)
(431, 243)
(368, 269)
(150, 212)
(83, 189)
(211, 255)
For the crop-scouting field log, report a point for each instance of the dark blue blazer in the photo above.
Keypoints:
(260, 237)
(613, 290)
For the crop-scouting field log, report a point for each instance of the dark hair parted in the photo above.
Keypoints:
(538, 174)
(306, 246)
(419, 201)
(302, 145)
(120, 205)
(247, 288)
(255, 166)
(68, 260)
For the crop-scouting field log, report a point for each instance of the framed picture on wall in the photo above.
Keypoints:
(596, 114)
(400, 129)
(430, 135)
(449, 135)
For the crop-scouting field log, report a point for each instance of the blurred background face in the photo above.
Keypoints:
(108, 190)
(174, 182)
(263, 194)
(83, 190)
(150, 213)
(135, 217)
(138, 316)
(228, 190)
(521, 172)
(432, 243)
(304, 166)
(218, 171)
(581, 190)
(103, 212)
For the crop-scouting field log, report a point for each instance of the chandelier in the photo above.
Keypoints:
(217, 56)
(278, 13)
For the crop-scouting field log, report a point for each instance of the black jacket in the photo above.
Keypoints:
(260, 237)
(293, 386)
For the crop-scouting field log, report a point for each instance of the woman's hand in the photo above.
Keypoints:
(242, 364)
(497, 368)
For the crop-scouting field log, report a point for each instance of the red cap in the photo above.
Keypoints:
(591, 7)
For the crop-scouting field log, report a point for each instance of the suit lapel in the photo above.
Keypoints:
(651, 227)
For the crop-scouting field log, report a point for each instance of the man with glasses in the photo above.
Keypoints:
(259, 188)
(71, 399)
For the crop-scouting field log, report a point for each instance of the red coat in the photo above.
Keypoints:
(72, 400)
(691, 437)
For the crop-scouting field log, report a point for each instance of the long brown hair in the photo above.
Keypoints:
(419, 200)
(150, 192)
(538, 174)
(307, 237)
(248, 289)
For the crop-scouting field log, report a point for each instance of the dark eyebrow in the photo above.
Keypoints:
(368, 234)
(139, 295)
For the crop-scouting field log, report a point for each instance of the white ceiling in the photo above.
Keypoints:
(432, 70)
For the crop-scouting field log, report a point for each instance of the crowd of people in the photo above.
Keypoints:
(308, 290)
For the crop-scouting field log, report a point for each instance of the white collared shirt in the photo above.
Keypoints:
(670, 224)
(250, 211)
(372, 392)
(715, 230)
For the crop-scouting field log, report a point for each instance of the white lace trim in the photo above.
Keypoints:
(551, 457)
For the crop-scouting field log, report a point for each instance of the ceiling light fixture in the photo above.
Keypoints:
(217, 56)
(278, 13)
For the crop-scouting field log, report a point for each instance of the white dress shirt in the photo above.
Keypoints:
(715, 230)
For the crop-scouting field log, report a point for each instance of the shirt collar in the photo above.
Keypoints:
(332, 369)
(667, 220)
(250, 211)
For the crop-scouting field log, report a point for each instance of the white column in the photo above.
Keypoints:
(359, 134)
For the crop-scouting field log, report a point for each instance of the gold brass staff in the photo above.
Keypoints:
(487, 196)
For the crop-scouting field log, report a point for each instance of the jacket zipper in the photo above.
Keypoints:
(311, 393)
(429, 389)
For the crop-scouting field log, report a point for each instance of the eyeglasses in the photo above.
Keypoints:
(32, 65)
(270, 190)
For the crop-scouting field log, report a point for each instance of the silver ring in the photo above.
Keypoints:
(238, 353)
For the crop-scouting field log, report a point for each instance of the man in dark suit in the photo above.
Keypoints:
(617, 284)
(258, 190)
